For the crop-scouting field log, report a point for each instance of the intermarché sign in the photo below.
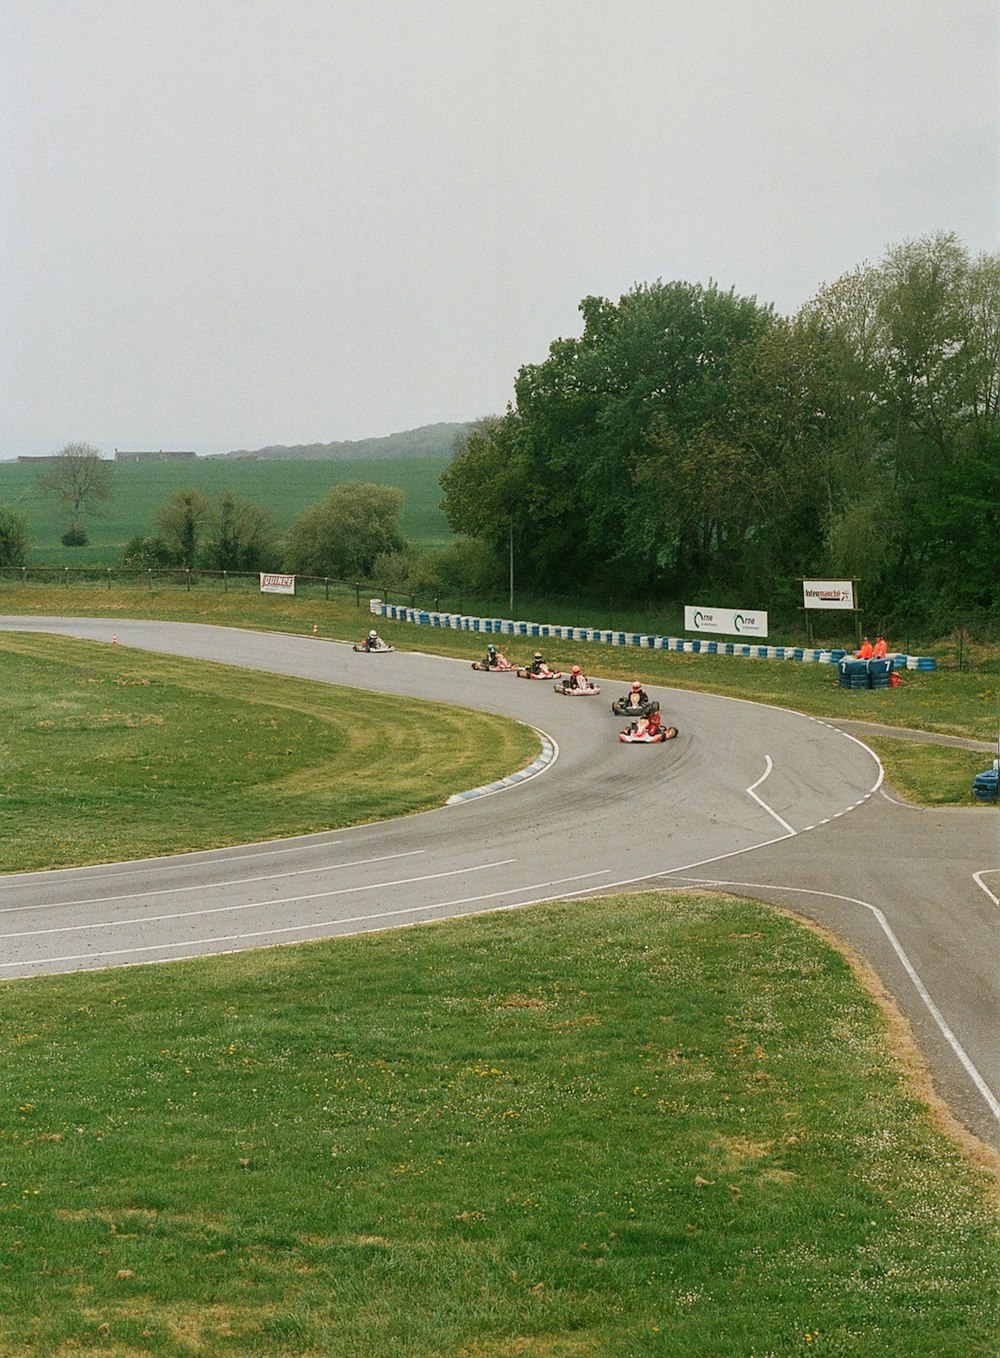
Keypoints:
(740, 622)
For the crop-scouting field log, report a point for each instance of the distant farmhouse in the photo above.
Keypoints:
(170, 456)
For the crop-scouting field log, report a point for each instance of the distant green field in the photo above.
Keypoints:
(285, 487)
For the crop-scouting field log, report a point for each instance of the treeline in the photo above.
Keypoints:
(693, 443)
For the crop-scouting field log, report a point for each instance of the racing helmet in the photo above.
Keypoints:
(575, 669)
(538, 655)
(491, 648)
(373, 634)
(636, 686)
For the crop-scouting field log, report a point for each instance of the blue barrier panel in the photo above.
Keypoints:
(642, 640)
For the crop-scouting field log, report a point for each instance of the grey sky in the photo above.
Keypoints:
(226, 223)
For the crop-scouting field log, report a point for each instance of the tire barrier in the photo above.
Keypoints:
(536, 631)
(986, 786)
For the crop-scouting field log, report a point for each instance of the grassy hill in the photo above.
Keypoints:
(285, 486)
(430, 440)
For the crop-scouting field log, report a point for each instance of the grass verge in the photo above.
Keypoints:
(655, 1125)
(108, 754)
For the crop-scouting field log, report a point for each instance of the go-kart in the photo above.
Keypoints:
(623, 707)
(654, 735)
(526, 672)
(373, 647)
(502, 666)
(578, 691)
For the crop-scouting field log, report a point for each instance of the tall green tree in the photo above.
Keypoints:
(919, 339)
(13, 537)
(240, 535)
(81, 481)
(182, 522)
(605, 418)
(486, 490)
(344, 534)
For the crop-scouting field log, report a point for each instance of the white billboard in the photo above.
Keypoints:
(277, 584)
(828, 593)
(740, 622)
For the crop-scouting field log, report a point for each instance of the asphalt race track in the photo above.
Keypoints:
(751, 800)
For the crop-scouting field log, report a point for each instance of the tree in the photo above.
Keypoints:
(146, 553)
(343, 535)
(80, 479)
(181, 522)
(919, 338)
(13, 537)
(662, 361)
(241, 535)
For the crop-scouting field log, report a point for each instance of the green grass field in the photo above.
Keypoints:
(662, 1124)
(656, 1125)
(284, 487)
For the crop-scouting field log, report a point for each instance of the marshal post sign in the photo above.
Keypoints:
(739, 622)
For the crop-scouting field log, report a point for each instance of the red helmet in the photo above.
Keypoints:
(575, 669)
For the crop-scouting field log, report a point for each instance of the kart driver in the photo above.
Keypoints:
(373, 640)
(538, 665)
(637, 695)
(577, 679)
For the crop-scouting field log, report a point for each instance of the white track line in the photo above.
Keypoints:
(239, 939)
(760, 802)
(207, 886)
(977, 877)
(251, 905)
(988, 1096)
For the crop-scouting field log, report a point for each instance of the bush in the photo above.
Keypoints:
(75, 537)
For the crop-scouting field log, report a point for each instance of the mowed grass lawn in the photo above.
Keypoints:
(663, 1125)
(667, 1124)
(109, 753)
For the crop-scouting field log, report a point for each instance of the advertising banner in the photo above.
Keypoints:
(740, 622)
(277, 584)
(828, 593)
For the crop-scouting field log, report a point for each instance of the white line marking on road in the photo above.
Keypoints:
(297, 928)
(252, 905)
(760, 802)
(977, 877)
(987, 1094)
(206, 886)
(131, 867)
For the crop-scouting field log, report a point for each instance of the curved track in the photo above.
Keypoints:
(760, 801)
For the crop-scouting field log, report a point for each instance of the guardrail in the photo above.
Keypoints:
(506, 627)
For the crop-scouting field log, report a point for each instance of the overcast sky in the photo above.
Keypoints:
(229, 223)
